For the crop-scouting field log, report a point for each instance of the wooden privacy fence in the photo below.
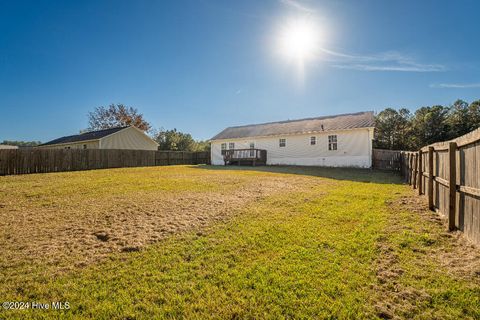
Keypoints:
(386, 159)
(24, 161)
(449, 174)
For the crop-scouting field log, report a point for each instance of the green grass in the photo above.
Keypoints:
(308, 253)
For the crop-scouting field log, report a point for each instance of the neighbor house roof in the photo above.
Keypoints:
(327, 123)
(92, 135)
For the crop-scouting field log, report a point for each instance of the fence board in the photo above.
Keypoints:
(386, 159)
(458, 200)
(24, 161)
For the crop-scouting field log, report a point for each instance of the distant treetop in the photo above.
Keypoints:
(21, 143)
(116, 115)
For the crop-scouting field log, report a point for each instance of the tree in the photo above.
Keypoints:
(202, 146)
(178, 141)
(474, 115)
(429, 125)
(392, 129)
(458, 119)
(21, 143)
(117, 115)
(174, 140)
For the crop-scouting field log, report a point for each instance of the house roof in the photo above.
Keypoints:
(308, 125)
(92, 135)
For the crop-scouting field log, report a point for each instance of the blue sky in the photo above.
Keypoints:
(203, 65)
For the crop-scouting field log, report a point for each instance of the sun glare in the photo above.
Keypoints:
(299, 40)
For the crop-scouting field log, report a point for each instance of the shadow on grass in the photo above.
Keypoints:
(351, 174)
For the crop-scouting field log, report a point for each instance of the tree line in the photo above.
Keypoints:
(404, 130)
(23, 144)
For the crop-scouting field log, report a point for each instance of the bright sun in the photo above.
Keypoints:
(298, 40)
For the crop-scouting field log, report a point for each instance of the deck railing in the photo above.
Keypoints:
(259, 155)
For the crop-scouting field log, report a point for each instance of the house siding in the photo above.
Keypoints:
(354, 149)
(129, 138)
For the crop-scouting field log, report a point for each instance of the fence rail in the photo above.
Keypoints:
(448, 173)
(25, 161)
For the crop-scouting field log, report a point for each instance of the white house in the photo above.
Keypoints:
(6, 146)
(335, 141)
(113, 138)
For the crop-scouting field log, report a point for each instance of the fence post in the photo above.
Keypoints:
(415, 171)
(420, 173)
(410, 169)
(401, 164)
(430, 178)
(407, 167)
(168, 158)
(452, 184)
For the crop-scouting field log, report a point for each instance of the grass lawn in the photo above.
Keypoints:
(230, 243)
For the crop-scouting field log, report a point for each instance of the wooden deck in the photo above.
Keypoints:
(254, 157)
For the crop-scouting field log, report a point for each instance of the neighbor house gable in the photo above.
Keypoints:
(113, 138)
(83, 137)
(129, 138)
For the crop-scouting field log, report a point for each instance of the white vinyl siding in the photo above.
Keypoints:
(353, 149)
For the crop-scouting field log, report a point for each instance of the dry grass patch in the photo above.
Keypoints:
(417, 248)
(60, 221)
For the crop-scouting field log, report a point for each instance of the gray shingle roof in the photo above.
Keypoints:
(327, 123)
(92, 135)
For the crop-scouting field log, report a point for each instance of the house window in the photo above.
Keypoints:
(313, 141)
(252, 146)
(231, 145)
(332, 142)
(282, 142)
(84, 146)
(224, 148)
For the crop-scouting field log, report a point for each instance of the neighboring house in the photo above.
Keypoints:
(336, 141)
(6, 146)
(113, 138)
